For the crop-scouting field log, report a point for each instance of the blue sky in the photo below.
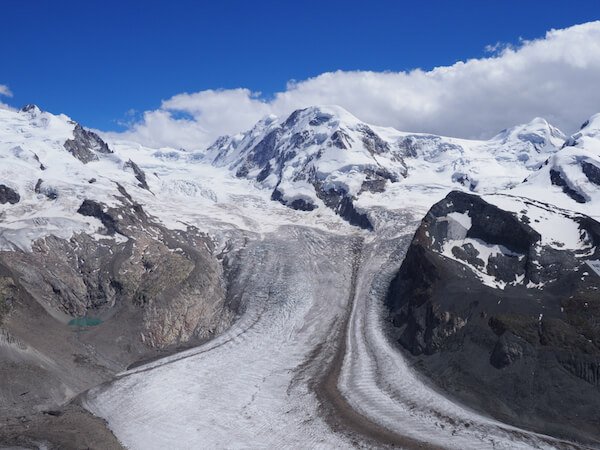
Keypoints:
(96, 60)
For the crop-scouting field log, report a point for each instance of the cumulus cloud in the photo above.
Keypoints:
(555, 77)
(5, 92)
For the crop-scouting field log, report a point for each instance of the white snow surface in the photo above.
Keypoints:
(183, 187)
(557, 227)
(580, 150)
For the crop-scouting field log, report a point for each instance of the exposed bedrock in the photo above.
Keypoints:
(557, 179)
(85, 145)
(591, 171)
(73, 312)
(527, 353)
(342, 203)
(8, 195)
(140, 175)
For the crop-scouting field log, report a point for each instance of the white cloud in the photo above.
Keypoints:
(555, 77)
(5, 91)
(207, 115)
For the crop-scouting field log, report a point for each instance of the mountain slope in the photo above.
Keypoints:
(571, 178)
(317, 156)
(90, 282)
(498, 298)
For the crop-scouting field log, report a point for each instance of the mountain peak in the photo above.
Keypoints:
(319, 115)
(317, 156)
(592, 124)
(31, 108)
(538, 132)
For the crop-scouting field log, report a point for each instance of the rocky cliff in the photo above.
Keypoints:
(90, 281)
(500, 308)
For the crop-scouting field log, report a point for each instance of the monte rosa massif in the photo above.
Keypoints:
(315, 281)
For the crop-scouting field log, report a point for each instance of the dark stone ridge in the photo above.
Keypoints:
(266, 149)
(139, 174)
(85, 144)
(298, 204)
(372, 142)
(30, 107)
(8, 195)
(264, 173)
(591, 171)
(37, 158)
(376, 180)
(528, 356)
(557, 180)
(92, 208)
(293, 118)
(340, 140)
(341, 203)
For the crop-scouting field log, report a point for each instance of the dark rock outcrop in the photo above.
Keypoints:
(557, 180)
(85, 144)
(342, 204)
(93, 305)
(372, 142)
(297, 204)
(527, 354)
(50, 192)
(30, 107)
(140, 175)
(591, 171)
(8, 195)
(92, 208)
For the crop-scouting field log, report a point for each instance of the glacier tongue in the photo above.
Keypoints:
(249, 387)
(312, 302)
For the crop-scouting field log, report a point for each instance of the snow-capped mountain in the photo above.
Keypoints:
(326, 157)
(316, 157)
(571, 177)
(48, 166)
(501, 290)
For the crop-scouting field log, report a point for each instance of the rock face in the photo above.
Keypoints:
(8, 195)
(90, 280)
(139, 174)
(85, 144)
(503, 316)
(109, 302)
